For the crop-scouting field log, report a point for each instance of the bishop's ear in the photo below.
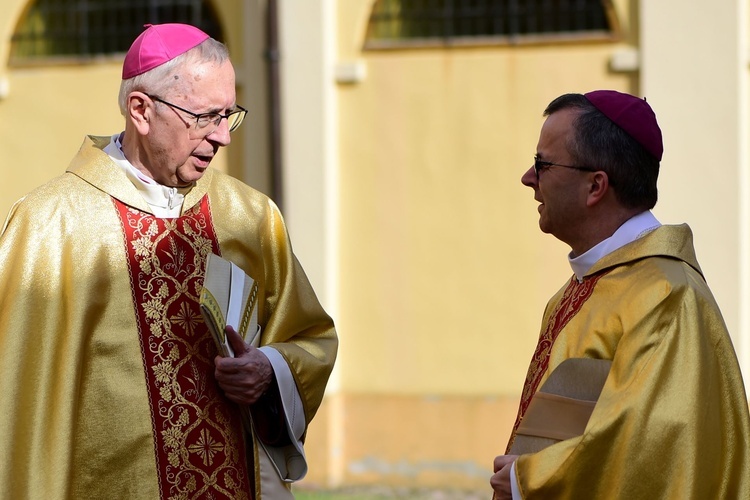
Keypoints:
(598, 187)
(140, 110)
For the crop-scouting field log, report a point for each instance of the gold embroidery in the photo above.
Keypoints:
(206, 447)
(198, 434)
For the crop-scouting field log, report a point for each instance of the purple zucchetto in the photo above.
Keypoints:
(631, 114)
(158, 44)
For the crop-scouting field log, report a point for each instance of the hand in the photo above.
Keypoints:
(500, 481)
(246, 376)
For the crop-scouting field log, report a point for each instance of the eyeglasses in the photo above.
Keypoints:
(207, 123)
(540, 165)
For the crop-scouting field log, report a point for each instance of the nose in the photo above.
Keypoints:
(529, 178)
(221, 134)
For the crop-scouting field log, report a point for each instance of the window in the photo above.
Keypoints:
(64, 29)
(399, 23)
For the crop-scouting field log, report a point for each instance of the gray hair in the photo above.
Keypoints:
(599, 143)
(162, 78)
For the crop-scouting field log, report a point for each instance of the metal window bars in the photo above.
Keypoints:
(91, 28)
(449, 20)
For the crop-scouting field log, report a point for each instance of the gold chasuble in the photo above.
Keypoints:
(107, 386)
(672, 419)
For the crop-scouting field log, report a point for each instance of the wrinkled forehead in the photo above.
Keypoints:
(205, 83)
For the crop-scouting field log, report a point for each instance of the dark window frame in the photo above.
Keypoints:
(58, 32)
(442, 40)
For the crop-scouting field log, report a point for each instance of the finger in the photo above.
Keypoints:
(239, 346)
(495, 482)
(502, 460)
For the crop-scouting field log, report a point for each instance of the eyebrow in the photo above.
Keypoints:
(220, 111)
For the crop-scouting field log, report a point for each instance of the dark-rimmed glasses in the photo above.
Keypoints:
(540, 165)
(205, 120)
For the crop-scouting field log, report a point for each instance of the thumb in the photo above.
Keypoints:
(236, 341)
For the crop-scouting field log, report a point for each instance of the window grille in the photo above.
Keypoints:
(92, 28)
(462, 21)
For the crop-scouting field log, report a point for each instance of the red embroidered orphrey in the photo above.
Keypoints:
(573, 298)
(200, 451)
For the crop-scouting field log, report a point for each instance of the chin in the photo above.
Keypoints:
(191, 177)
(543, 226)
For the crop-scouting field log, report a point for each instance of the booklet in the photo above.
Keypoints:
(561, 408)
(229, 298)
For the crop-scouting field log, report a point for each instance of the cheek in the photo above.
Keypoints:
(554, 207)
(181, 150)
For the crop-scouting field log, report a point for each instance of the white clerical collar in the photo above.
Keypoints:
(165, 201)
(633, 228)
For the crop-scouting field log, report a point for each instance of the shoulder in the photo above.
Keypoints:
(235, 198)
(662, 297)
(655, 282)
(662, 261)
(62, 205)
(54, 193)
(666, 242)
(219, 179)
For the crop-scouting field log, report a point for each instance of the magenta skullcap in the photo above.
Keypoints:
(631, 114)
(158, 44)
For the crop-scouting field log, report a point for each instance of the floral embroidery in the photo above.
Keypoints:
(197, 432)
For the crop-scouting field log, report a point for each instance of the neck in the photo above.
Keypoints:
(135, 154)
(601, 228)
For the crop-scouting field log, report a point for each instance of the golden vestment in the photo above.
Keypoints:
(77, 408)
(672, 419)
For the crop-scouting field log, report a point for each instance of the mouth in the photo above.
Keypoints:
(203, 160)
